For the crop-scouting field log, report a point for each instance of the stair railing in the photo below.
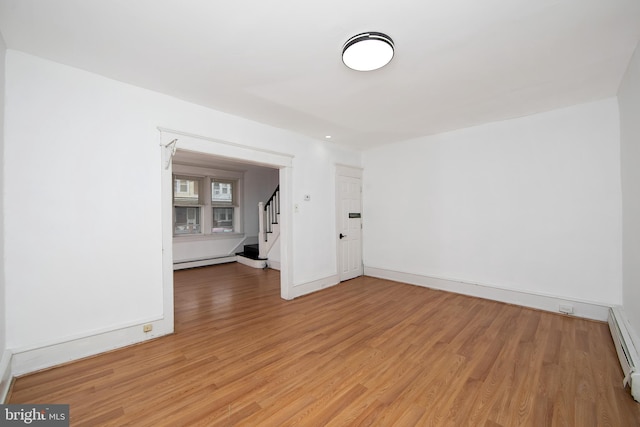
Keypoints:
(267, 218)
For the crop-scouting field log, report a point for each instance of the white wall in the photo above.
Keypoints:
(530, 204)
(84, 250)
(315, 165)
(629, 103)
(190, 248)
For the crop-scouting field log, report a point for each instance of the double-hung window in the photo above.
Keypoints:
(223, 205)
(187, 205)
(206, 204)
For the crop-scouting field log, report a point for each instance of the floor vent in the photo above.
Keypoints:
(627, 351)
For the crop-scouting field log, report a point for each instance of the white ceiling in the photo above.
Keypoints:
(458, 62)
(190, 158)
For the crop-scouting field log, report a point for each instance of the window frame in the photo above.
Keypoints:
(198, 215)
(213, 219)
(208, 176)
(179, 183)
(234, 196)
(180, 201)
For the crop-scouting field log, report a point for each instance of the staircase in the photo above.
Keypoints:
(255, 255)
(269, 225)
(251, 252)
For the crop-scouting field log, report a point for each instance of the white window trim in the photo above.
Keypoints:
(206, 211)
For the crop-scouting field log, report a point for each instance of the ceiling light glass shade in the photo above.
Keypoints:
(367, 51)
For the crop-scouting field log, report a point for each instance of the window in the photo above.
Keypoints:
(197, 211)
(186, 191)
(187, 203)
(187, 220)
(182, 186)
(222, 220)
(221, 191)
(223, 201)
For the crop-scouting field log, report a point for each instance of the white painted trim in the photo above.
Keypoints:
(182, 265)
(209, 237)
(227, 149)
(202, 172)
(316, 285)
(585, 309)
(350, 171)
(247, 154)
(253, 263)
(166, 325)
(5, 375)
(350, 167)
(87, 334)
(29, 360)
(286, 233)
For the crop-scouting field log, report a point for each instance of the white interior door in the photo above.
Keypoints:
(349, 220)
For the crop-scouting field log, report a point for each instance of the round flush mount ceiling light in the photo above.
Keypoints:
(367, 51)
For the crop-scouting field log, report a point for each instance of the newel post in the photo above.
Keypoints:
(262, 235)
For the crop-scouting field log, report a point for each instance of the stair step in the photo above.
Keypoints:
(251, 248)
(251, 256)
(251, 252)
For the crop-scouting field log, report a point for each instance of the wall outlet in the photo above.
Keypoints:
(147, 328)
(566, 309)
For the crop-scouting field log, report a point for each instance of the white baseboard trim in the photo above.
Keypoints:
(316, 285)
(254, 263)
(585, 309)
(203, 262)
(5, 375)
(28, 360)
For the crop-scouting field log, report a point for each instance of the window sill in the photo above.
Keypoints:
(204, 237)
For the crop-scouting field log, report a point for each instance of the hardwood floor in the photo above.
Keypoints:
(365, 352)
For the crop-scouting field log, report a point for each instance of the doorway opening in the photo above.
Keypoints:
(193, 149)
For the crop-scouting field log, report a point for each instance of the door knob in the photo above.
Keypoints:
(342, 236)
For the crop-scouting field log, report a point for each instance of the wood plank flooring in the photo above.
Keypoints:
(365, 352)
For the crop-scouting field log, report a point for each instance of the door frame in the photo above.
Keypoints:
(230, 150)
(351, 172)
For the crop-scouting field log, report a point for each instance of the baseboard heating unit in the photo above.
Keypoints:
(627, 351)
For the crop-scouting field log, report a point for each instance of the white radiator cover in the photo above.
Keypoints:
(621, 333)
